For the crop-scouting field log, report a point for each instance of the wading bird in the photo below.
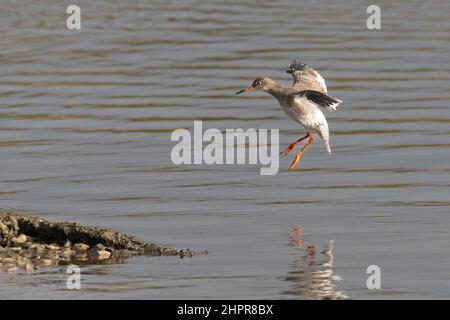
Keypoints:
(301, 102)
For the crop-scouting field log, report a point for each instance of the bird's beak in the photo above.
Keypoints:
(245, 89)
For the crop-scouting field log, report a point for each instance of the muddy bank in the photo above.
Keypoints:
(29, 242)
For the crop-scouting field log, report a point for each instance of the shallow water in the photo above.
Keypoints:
(85, 126)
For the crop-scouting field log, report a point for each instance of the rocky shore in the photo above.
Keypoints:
(29, 242)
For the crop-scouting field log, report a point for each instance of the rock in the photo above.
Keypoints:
(103, 254)
(99, 254)
(67, 252)
(80, 247)
(9, 227)
(21, 238)
(99, 246)
(38, 247)
(27, 241)
(52, 247)
(4, 230)
(46, 262)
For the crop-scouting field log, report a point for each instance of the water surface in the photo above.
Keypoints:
(86, 118)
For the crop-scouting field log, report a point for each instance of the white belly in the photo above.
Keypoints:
(309, 117)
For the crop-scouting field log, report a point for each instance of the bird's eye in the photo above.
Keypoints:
(258, 83)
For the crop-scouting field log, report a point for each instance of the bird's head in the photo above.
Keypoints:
(261, 83)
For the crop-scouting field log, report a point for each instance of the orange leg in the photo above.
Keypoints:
(297, 157)
(292, 145)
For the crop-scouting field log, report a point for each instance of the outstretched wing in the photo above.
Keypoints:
(320, 99)
(306, 77)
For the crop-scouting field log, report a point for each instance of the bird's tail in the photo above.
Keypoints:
(324, 134)
(327, 145)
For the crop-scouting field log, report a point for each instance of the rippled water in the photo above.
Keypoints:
(85, 125)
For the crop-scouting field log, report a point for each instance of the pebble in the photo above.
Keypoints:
(38, 247)
(52, 247)
(67, 252)
(46, 262)
(103, 254)
(81, 247)
(21, 238)
(99, 246)
(100, 254)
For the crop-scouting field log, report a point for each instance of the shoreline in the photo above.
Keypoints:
(30, 242)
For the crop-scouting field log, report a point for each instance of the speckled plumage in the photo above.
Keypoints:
(306, 78)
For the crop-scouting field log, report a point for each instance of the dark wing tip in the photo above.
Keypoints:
(320, 99)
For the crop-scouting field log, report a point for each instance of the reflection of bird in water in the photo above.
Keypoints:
(311, 278)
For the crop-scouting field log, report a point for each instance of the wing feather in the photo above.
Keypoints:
(306, 77)
(321, 99)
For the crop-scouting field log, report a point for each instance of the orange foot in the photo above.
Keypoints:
(294, 163)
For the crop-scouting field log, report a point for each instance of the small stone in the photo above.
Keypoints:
(99, 246)
(100, 254)
(21, 238)
(67, 252)
(81, 247)
(38, 247)
(15, 249)
(52, 247)
(46, 262)
(103, 254)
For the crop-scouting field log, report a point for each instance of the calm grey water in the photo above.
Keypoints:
(85, 126)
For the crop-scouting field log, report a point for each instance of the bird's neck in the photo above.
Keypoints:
(278, 91)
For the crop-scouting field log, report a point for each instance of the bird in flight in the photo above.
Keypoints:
(302, 102)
